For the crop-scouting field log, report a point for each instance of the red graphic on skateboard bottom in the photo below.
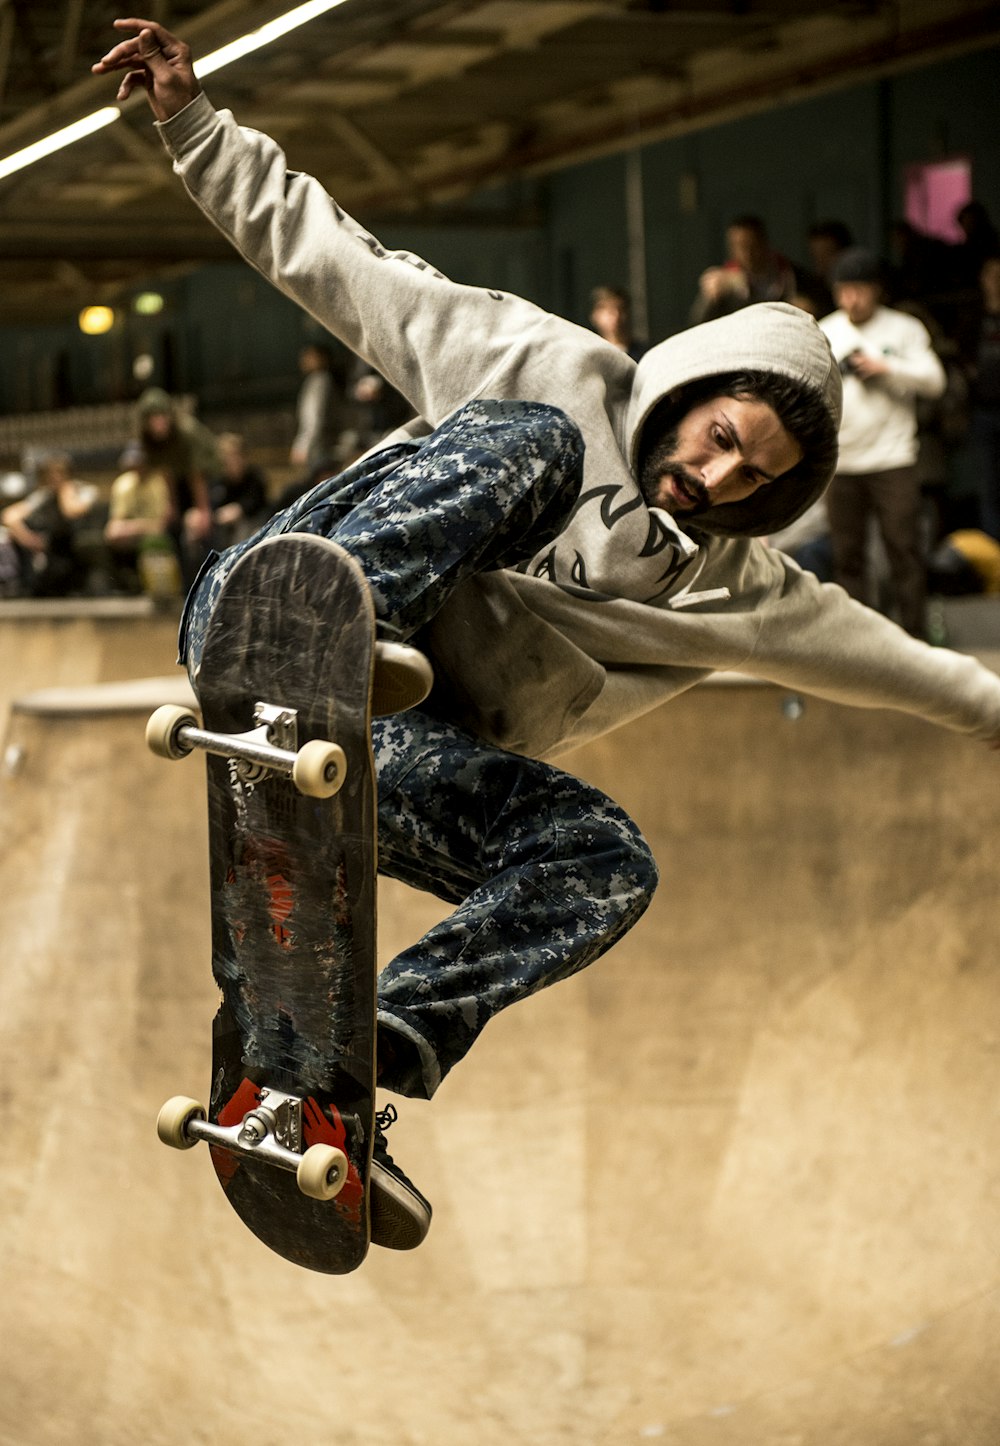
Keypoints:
(319, 1127)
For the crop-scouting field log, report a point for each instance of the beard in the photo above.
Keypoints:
(662, 462)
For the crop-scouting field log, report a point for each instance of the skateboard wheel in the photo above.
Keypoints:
(163, 730)
(320, 768)
(322, 1172)
(173, 1120)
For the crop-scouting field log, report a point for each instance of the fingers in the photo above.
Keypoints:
(131, 81)
(155, 60)
(161, 36)
(153, 45)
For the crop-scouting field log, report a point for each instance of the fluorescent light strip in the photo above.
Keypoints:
(235, 50)
(55, 142)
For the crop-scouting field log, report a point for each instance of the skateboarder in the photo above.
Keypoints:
(657, 577)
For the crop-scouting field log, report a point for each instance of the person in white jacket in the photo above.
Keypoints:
(555, 602)
(311, 445)
(887, 362)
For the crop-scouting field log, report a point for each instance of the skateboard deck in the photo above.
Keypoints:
(293, 895)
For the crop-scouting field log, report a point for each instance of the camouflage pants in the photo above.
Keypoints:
(546, 872)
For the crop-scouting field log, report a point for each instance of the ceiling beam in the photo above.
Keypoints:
(372, 155)
(788, 77)
(65, 67)
(7, 25)
(100, 241)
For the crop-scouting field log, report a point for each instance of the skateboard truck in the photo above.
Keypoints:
(278, 1115)
(317, 769)
(272, 1131)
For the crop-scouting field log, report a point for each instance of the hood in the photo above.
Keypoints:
(769, 337)
(153, 402)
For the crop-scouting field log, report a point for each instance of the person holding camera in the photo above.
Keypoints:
(887, 361)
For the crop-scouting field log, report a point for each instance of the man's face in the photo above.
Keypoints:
(989, 280)
(608, 316)
(159, 426)
(721, 451)
(859, 299)
(745, 246)
(823, 252)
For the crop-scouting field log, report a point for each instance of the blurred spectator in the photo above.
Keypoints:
(922, 266)
(980, 345)
(942, 421)
(825, 242)
(238, 495)
(53, 531)
(752, 271)
(611, 317)
(185, 452)
(374, 409)
(312, 445)
(887, 361)
(140, 515)
(982, 241)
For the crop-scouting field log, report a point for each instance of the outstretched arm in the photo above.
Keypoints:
(438, 343)
(813, 637)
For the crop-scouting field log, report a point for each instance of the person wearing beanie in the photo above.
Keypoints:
(887, 362)
(578, 538)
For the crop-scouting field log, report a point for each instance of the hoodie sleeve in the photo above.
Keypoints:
(813, 637)
(435, 341)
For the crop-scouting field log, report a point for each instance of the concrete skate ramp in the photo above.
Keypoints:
(737, 1183)
(63, 644)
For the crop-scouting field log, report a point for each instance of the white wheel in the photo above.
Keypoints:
(320, 768)
(322, 1172)
(163, 729)
(173, 1120)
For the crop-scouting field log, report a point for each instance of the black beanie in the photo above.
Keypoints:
(858, 264)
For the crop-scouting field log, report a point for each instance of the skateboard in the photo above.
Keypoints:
(285, 691)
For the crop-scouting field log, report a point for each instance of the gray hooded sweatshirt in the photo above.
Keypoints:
(628, 607)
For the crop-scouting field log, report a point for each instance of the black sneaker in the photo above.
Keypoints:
(401, 1216)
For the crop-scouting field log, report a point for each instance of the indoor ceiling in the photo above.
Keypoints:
(404, 105)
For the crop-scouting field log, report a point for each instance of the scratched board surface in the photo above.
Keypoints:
(293, 888)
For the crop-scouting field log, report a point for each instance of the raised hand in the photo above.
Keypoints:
(156, 60)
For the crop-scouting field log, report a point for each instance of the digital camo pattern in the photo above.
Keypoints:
(547, 872)
(483, 491)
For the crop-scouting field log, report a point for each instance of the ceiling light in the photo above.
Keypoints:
(55, 142)
(96, 320)
(235, 50)
(281, 25)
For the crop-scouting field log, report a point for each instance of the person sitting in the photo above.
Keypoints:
(238, 495)
(140, 518)
(46, 529)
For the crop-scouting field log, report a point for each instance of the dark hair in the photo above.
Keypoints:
(858, 264)
(799, 407)
(610, 293)
(747, 222)
(320, 348)
(836, 231)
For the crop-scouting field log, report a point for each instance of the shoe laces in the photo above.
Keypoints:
(383, 1119)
